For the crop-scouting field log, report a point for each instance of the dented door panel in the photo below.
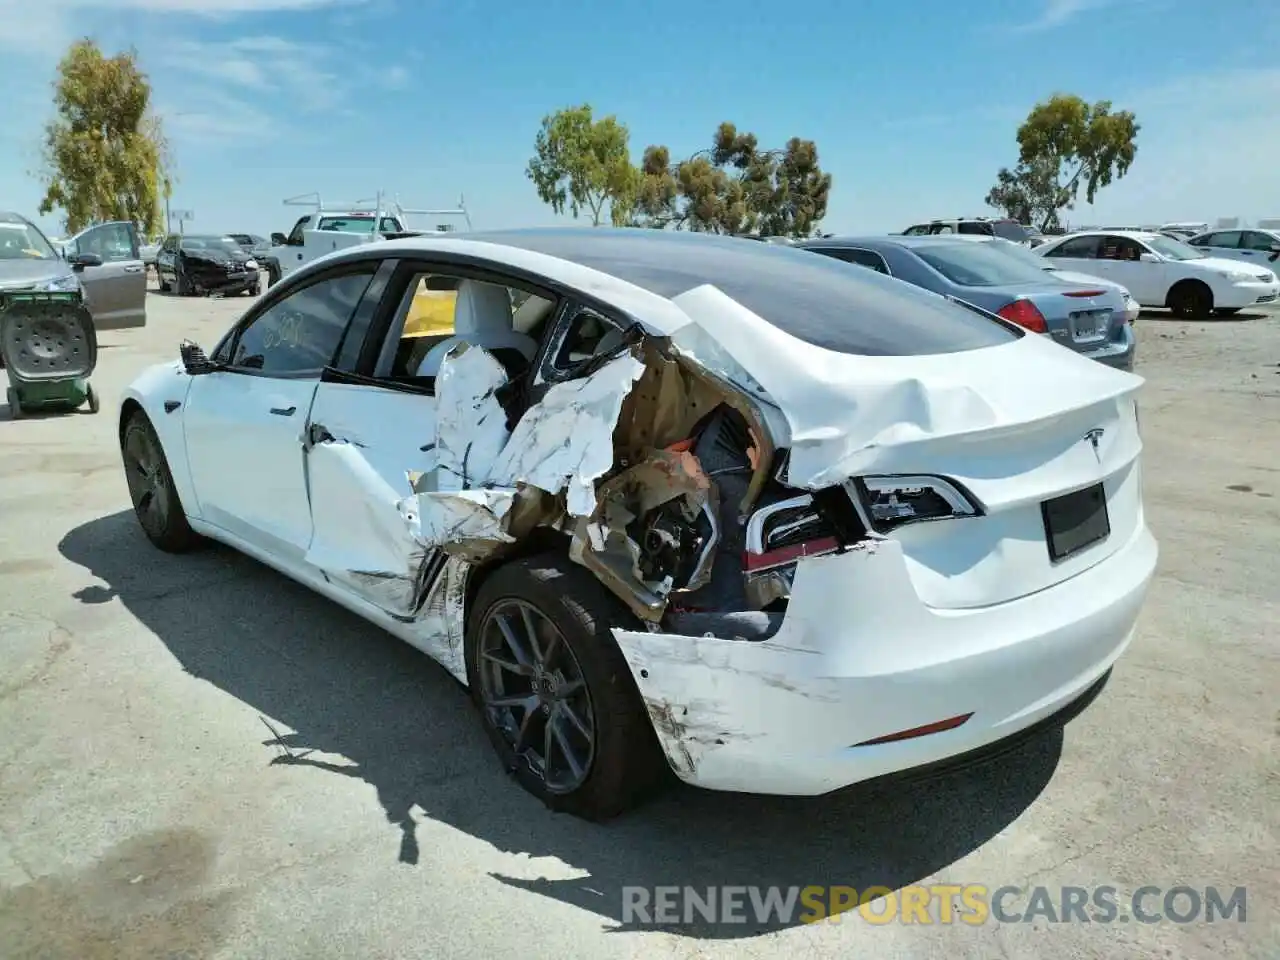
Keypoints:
(363, 443)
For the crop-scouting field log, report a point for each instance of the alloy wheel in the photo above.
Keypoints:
(532, 688)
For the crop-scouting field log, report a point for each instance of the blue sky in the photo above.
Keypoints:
(913, 105)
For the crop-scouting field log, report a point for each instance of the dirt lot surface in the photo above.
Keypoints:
(146, 811)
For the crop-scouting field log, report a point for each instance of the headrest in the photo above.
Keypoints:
(481, 308)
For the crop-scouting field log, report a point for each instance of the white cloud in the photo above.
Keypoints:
(1059, 13)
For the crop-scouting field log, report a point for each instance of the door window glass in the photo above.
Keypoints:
(302, 332)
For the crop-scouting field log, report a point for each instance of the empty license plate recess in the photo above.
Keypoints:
(1075, 521)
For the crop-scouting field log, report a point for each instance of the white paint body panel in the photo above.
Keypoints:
(933, 621)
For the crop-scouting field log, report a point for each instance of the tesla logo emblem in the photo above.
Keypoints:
(1093, 436)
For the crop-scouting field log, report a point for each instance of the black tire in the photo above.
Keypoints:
(91, 397)
(1191, 300)
(161, 282)
(273, 274)
(1227, 311)
(255, 289)
(15, 407)
(180, 285)
(155, 499)
(626, 763)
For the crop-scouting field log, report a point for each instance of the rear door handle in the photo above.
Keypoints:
(284, 411)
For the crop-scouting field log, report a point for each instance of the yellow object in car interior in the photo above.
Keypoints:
(431, 314)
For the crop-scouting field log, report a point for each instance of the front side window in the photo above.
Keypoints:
(301, 333)
(113, 242)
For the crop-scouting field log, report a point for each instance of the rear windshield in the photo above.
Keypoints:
(977, 264)
(1010, 230)
(823, 301)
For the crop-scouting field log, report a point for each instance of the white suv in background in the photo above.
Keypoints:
(1162, 272)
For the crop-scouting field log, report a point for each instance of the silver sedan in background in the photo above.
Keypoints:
(1089, 318)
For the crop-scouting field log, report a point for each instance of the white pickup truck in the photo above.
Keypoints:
(331, 227)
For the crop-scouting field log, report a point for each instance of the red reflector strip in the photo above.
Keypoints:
(785, 555)
(914, 732)
(1086, 293)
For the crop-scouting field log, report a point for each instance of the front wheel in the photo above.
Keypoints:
(155, 498)
(1191, 300)
(554, 692)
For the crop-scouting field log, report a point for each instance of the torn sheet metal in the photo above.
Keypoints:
(466, 523)
(852, 414)
(471, 425)
(565, 442)
(489, 487)
(382, 559)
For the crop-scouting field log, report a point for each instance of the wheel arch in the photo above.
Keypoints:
(153, 394)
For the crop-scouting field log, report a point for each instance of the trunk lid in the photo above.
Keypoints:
(1015, 425)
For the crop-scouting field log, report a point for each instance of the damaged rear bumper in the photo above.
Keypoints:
(859, 658)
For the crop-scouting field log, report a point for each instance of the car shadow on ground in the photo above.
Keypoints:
(410, 731)
(1168, 316)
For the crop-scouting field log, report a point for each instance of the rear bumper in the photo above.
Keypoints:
(860, 657)
(1119, 353)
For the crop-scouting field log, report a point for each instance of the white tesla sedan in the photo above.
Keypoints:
(664, 500)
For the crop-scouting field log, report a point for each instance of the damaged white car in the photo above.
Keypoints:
(661, 500)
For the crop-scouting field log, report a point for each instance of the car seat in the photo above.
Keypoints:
(482, 318)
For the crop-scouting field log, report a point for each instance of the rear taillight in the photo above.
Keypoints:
(781, 534)
(891, 502)
(1025, 314)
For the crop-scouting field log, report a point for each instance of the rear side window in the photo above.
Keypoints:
(979, 229)
(1010, 230)
(1077, 248)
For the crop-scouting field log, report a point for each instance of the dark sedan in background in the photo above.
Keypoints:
(194, 265)
(1088, 319)
(252, 244)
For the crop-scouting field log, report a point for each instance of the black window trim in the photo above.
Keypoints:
(227, 344)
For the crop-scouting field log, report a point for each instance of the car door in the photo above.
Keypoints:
(116, 290)
(1082, 255)
(1221, 243)
(1121, 259)
(245, 422)
(1259, 249)
(372, 429)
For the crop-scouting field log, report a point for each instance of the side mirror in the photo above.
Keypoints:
(279, 239)
(1275, 248)
(1149, 258)
(194, 362)
(79, 261)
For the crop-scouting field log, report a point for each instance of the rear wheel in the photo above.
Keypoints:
(1191, 300)
(91, 397)
(155, 498)
(554, 692)
(15, 407)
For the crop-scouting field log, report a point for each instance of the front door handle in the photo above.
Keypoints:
(132, 269)
(284, 411)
